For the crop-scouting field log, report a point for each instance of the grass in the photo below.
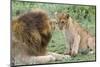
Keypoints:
(85, 14)
(57, 44)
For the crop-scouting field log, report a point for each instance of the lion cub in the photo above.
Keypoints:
(79, 40)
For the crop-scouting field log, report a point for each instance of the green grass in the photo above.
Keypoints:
(57, 43)
(84, 14)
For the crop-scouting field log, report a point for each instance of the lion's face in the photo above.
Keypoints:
(62, 20)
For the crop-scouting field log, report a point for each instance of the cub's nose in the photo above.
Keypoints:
(62, 21)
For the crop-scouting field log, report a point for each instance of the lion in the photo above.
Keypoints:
(31, 33)
(79, 40)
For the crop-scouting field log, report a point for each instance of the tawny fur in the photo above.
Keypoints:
(78, 38)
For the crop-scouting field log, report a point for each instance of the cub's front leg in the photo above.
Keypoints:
(75, 45)
(69, 41)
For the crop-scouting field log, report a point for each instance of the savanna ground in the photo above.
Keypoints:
(84, 14)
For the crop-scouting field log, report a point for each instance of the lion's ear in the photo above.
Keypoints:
(56, 14)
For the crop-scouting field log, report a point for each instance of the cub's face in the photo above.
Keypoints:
(62, 20)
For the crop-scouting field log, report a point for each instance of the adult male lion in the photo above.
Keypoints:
(78, 38)
(31, 33)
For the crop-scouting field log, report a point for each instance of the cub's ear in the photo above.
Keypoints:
(67, 15)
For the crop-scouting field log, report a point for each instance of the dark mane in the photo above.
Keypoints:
(32, 23)
(34, 19)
